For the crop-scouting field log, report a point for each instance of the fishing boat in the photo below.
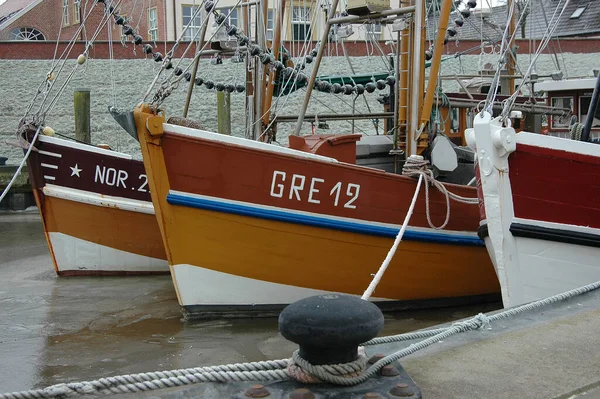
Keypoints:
(305, 219)
(95, 207)
(540, 215)
(94, 202)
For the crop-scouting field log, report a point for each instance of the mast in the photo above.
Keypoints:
(416, 76)
(435, 63)
(402, 89)
(249, 109)
(258, 70)
(275, 48)
(264, 82)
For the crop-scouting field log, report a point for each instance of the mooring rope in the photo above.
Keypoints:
(386, 262)
(417, 166)
(301, 370)
(278, 370)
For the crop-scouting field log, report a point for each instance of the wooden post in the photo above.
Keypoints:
(81, 104)
(224, 112)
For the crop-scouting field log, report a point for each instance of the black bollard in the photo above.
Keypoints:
(329, 328)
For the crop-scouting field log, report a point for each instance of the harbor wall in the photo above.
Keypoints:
(44, 50)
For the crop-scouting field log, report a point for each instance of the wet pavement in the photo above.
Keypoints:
(64, 329)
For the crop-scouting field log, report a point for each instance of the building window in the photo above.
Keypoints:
(26, 34)
(300, 22)
(231, 14)
(577, 13)
(584, 107)
(152, 24)
(123, 35)
(65, 12)
(374, 30)
(76, 11)
(188, 12)
(270, 24)
(561, 102)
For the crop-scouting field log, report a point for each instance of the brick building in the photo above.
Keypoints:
(49, 19)
(40, 22)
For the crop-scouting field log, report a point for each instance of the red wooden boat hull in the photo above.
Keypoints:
(540, 214)
(248, 224)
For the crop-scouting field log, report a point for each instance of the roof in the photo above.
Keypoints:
(581, 17)
(566, 84)
(12, 9)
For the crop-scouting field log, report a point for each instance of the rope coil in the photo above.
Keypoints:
(301, 370)
(416, 166)
(575, 131)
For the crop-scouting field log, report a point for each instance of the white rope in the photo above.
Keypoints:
(489, 319)
(14, 178)
(417, 166)
(272, 370)
(301, 370)
(367, 294)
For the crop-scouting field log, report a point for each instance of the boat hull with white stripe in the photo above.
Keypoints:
(96, 210)
(539, 209)
(253, 226)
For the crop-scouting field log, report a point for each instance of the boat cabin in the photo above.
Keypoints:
(574, 94)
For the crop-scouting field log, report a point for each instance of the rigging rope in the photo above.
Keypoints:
(18, 171)
(543, 43)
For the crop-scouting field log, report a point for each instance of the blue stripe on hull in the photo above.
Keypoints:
(316, 221)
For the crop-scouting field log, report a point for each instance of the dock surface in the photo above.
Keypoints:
(551, 353)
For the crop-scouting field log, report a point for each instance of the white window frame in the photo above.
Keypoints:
(76, 11)
(231, 14)
(152, 24)
(26, 34)
(193, 28)
(123, 35)
(301, 16)
(65, 12)
(376, 29)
